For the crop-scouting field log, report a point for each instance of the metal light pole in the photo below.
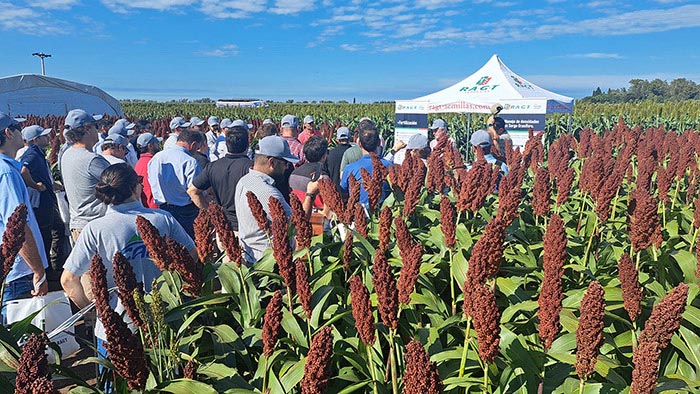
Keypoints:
(42, 55)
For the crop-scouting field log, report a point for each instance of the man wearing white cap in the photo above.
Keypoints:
(482, 139)
(417, 145)
(120, 128)
(219, 149)
(176, 124)
(81, 169)
(270, 162)
(114, 149)
(213, 132)
(439, 128)
(37, 176)
(342, 139)
(309, 129)
(27, 276)
(289, 130)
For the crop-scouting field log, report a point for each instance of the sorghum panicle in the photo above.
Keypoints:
(33, 366)
(204, 234)
(226, 234)
(421, 375)
(664, 321)
(552, 294)
(541, 193)
(303, 287)
(631, 290)
(281, 249)
(12, 239)
(385, 218)
(125, 279)
(385, 287)
(258, 212)
(447, 221)
(362, 310)
(589, 335)
(317, 370)
(154, 243)
(272, 322)
(302, 225)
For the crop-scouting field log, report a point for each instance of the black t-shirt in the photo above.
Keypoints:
(222, 176)
(335, 156)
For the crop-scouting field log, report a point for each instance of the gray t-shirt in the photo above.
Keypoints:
(81, 171)
(254, 240)
(117, 232)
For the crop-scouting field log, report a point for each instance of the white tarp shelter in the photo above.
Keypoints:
(496, 83)
(31, 94)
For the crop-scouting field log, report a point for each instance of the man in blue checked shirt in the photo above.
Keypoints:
(170, 172)
(27, 276)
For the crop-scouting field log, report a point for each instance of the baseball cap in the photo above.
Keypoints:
(276, 146)
(268, 121)
(240, 123)
(213, 121)
(116, 139)
(417, 141)
(343, 133)
(78, 118)
(289, 121)
(31, 132)
(196, 121)
(7, 121)
(147, 138)
(438, 124)
(119, 128)
(127, 125)
(481, 138)
(226, 123)
(178, 122)
(308, 119)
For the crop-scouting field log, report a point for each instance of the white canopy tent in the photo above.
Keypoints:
(496, 83)
(31, 94)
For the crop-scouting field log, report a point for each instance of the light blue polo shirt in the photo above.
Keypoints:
(15, 193)
(170, 172)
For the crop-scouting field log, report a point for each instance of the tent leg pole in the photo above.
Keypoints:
(469, 131)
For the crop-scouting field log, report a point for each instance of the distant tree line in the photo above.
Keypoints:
(679, 89)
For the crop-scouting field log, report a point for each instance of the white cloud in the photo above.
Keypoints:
(123, 6)
(351, 47)
(591, 55)
(28, 21)
(225, 51)
(232, 9)
(52, 4)
(286, 7)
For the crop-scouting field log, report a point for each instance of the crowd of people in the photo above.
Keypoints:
(113, 172)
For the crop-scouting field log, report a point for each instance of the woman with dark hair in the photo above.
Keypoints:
(120, 189)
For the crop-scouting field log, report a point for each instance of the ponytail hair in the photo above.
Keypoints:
(116, 184)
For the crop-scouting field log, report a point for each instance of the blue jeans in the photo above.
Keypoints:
(18, 288)
(184, 215)
(102, 353)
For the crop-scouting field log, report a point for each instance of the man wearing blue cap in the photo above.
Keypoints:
(37, 176)
(114, 149)
(335, 156)
(148, 145)
(270, 162)
(310, 130)
(28, 274)
(81, 169)
(482, 139)
(120, 128)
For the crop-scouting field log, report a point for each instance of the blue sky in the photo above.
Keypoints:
(326, 49)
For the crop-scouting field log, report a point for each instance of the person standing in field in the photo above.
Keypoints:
(40, 187)
(148, 145)
(142, 126)
(197, 123)
(170, 172)
(270, 162)
(316, 152)
(482, 139)
(335, 156)
(120, 128)
(219, 149)
(222, 176)
(289, 130)
(497, 130)
(81, 169)
(27, 277)
(309, 131)
(439, 128)
(212, 132)
(177, 124)
(114, 149)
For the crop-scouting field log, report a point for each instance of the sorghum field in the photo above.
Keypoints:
(579, 275)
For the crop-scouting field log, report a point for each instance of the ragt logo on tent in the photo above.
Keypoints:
(520, 83)
(482, 85)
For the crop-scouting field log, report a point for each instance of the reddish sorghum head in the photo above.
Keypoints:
(631, 290)
(32, 371)
(541, 192)
(362, 310)
(385, 218)
(552, 294)
(385, 287)
(272, 322)
(589, 335)
(125, 279)
(302, 225)
(645, 226)
(154, 243)
(303, 287)
(12, 239)
(226, 234)
(181, 261)
(281, 249)
(204, 234)
(421, 375)
(258, 212)
(447, 222)
(317, 370)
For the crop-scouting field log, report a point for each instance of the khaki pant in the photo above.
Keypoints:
(85, 278)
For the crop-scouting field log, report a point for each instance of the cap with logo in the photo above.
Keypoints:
(276, 146)
(481, 138)
(178, 123)
(196, 121)
(31, 132)
(147, 138)
(417, 141)
(289, 121)
(438, 124)
(343, 133)
(78, 118)
(213, 121)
